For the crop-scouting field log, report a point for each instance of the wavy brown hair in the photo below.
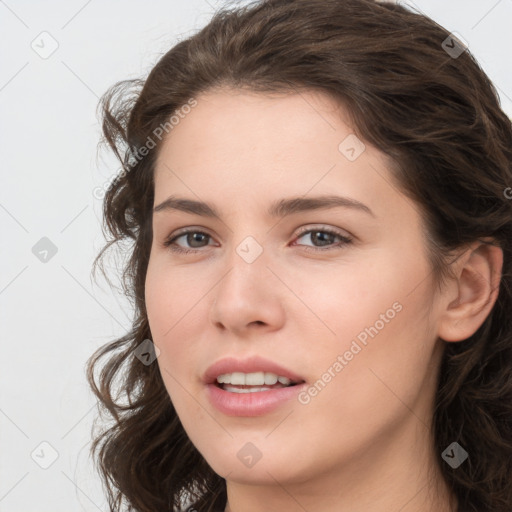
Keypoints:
(434, 113)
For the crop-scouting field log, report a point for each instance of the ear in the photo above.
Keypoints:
(473, 293)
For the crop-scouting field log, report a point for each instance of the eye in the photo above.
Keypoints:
(195, 239)
(190, 238)
(324, 236)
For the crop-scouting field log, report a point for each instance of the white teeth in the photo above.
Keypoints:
(237, 378)
(270, 379)
(252, 379)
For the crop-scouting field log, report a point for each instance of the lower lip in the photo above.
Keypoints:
(251, 404)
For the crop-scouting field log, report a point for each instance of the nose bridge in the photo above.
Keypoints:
(250, 250)
(247, 239)
(247, 262)
(246, 293)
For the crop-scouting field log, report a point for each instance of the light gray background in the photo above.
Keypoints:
(52, 315)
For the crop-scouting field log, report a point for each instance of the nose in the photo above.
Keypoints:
(248, 297)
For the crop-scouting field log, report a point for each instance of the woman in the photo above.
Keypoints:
(316, 194)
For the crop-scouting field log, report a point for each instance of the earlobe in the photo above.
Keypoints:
(477, 283)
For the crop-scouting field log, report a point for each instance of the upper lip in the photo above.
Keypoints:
(249, 365)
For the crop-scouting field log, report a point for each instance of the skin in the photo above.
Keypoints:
(364, 442)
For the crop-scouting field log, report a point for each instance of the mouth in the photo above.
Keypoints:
(254, 382)
(250, 387)
(250, 374)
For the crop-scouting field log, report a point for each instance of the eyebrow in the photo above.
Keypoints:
(280, 208)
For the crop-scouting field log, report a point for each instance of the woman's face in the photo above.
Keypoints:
(339, 299)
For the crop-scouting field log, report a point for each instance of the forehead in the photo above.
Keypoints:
(248, 118)
(234, 145)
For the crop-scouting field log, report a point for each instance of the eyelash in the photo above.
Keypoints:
(169, 243)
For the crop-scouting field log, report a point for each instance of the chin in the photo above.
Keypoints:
(263, 472)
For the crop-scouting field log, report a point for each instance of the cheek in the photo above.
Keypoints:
(172, 298)
(385, 339)
(378, 310)
(176, 315)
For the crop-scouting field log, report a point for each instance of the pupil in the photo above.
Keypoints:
(192, 238)
(322, 235)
